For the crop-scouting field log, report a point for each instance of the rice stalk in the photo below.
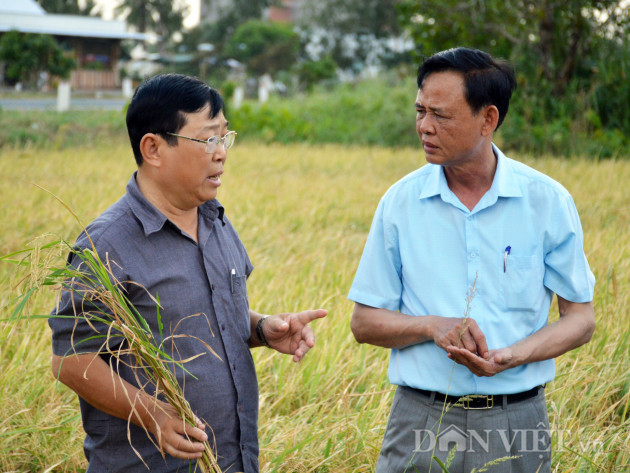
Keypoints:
(92, 279)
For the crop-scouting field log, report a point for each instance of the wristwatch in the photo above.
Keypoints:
(260, 333)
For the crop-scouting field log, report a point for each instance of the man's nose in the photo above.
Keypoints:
(426, 124)
(220, 153)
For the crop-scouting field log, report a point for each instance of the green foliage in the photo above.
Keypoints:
(238, 12)
(263, 46)
(372, 113)
(68, 7)
(377, 17)
(378, 112)
(571, 58)
(164, 17)
(554, 41)
(381, 112)
(27, 55)
(53, 130)
(310, 73)
(213, 67)
(611, 93)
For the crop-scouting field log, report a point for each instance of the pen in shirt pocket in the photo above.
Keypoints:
(505, 255)
(232, 276)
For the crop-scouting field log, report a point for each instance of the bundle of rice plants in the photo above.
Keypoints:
(93, 281)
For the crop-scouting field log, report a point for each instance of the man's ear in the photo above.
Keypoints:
(150, 145)
(491, 118)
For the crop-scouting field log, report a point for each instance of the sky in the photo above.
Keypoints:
(107, 6)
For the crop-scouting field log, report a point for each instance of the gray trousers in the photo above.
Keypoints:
(508, 438)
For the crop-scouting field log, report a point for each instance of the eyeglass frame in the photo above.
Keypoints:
(219, 140)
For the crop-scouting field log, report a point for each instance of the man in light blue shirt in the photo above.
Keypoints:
(461, 264)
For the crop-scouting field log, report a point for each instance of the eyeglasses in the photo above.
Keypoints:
(211, 143)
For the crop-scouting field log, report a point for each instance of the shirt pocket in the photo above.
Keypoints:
(521, 282)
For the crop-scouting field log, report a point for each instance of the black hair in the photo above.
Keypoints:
(487, 81)
(160, 103)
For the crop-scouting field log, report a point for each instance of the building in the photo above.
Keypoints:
(96, 43)
(284, 11)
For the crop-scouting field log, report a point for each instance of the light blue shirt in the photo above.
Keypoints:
(425, 249)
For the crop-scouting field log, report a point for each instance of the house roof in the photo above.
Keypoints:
(22, 6)
(26, 16)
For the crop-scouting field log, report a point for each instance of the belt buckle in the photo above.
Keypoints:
(466, 402)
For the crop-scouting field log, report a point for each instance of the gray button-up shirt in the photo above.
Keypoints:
(153, 258)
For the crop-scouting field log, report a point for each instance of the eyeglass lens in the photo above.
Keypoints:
(227, 140)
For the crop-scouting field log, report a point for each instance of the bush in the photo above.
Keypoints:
(28, 54)
(263, 46)
(371, 112)
(310, 73)
(378, 112)
(381, 112)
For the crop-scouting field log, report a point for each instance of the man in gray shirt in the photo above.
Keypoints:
(168, 238)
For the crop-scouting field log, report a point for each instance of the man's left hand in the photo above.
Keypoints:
(290, 333)
(497, 361)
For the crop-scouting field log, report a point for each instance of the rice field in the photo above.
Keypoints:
(304, 212)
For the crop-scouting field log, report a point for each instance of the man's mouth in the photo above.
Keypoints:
(429, 148)
(428, 145)
(216, 177)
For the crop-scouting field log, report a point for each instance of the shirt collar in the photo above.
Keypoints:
(212, 210)
(435, 183)
(504, 183)
(153, 220)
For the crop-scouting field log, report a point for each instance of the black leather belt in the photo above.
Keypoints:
(480, 401)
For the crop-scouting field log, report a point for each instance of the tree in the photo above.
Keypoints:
(164, 17)
(311, 72)
(68, 7)
(27, 55)
(552, 40)
(222, 19)
(571, 58)
(353, 32)
(376, 17)
(263, 46)
(234, 13)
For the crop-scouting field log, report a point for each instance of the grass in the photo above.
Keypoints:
(304, 213)
(56, 131)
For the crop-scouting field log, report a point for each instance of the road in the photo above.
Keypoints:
(50, 103)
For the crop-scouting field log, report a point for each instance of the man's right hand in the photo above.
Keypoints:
(94, 380)
(459, 332)
(174, 436)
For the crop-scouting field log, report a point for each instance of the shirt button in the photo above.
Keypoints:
(240, 408)
(473, 255)
(234, 366)
(243, 447)
(223, 327)
(212, 287)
